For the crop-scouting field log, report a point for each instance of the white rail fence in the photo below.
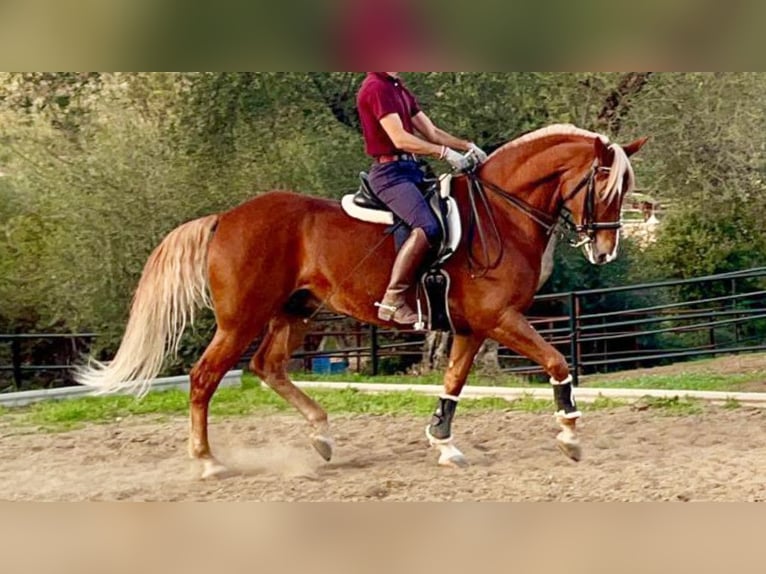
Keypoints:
(584, 394)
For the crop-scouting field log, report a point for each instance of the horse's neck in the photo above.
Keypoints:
(533, 173)
(538, 195)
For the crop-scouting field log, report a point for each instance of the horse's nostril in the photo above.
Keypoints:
(602, 259)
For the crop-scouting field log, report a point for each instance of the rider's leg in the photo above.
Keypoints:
(396, 185)
(394, 307)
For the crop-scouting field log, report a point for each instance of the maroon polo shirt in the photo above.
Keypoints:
(379, 96)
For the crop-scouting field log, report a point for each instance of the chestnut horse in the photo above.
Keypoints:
(268, 264)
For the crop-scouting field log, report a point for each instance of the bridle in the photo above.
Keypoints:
(587, 227)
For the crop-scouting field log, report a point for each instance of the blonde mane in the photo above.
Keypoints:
(617, 171)
(549, 131)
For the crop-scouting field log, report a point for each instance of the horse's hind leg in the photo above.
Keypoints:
(515, 332)
(220, 356)
(285, 334)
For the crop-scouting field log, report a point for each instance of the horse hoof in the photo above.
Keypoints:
(449, 454)
(454, 461)
(570, 447)
(323, 445)
(211, 468)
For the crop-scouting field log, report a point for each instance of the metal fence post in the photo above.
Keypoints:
(374, 349)
(734, 307)
(574, 339)
(16, 362)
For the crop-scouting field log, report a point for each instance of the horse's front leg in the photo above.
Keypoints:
(439, 431)
(515, 332)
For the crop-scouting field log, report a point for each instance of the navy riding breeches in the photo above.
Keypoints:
(396, 185)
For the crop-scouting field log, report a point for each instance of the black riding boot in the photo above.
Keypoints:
(403, 275)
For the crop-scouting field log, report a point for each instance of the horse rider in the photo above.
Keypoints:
(390, 117)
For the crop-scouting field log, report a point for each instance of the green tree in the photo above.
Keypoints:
(705, 163)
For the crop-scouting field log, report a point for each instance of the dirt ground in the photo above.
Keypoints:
(718, 455)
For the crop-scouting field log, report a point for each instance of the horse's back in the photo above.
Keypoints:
(315, 219)
(272, 215)
(279, 221)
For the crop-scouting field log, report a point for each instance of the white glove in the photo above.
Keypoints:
(478, 152)
(456, 159)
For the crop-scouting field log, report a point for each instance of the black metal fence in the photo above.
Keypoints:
(654, 323)
(40, 359)
(598, 330)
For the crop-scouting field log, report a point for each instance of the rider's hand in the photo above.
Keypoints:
(480, 154)
(456, 159)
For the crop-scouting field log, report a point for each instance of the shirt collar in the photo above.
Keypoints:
(386, 77)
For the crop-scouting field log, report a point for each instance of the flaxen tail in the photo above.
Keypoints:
(173, 285)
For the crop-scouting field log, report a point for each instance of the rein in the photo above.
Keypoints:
(587, 226)
(475, 225)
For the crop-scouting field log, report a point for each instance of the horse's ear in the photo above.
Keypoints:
(603, 153)
(633, 147)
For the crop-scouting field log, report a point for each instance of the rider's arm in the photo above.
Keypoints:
(407, 142)
(426, 127)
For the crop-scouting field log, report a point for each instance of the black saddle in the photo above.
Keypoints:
(367, 199)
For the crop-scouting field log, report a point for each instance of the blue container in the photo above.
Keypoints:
(321, 365)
